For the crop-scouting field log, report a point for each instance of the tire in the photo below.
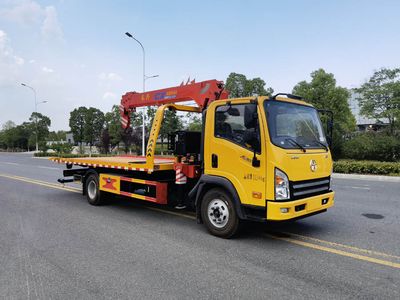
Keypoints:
(93, 193)
(219, 214)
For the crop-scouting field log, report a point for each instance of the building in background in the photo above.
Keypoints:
(70, 138)
(363, 123)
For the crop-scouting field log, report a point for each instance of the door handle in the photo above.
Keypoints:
(214, 160)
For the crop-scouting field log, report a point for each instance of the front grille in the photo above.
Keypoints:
(308, 188)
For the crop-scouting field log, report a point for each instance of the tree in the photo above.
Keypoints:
(39, 126)
(8, 125)
(323, 93)
(239, 86)
(5, 134)
(126, 136)
(150, 114)
(195, 123)
(77, 124)
(256, 87)
(171, 123)
(93, 125)
(23, 136)
(18, 136)
(135, 137)
(57, 136)
(113, 124)
(236, 85)
(3, 144)
(14, 137)
(105, 141)
(132, 136)
(380, 96)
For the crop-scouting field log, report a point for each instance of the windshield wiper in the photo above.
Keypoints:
(296, 143)
(322, 144)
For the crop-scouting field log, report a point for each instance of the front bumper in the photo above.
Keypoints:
(298, 208)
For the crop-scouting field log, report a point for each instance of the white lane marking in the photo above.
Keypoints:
(11, 163)
(50, 168)
(360, 187)
(354, 187)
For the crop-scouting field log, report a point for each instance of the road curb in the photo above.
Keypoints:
(367, 177)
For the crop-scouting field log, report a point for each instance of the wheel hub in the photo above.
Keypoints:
(218, 213)
(92, 189)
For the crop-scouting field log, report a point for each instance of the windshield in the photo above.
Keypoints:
(294, 126)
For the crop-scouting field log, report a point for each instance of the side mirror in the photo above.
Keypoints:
(250, 116)
(329, 125)
(232, 111)
(255, 162)
(329, 141)
(251, 138)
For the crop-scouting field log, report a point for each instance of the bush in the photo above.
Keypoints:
(62, 147)
(367, 167)
(372, 146)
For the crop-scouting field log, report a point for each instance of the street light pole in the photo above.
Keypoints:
(36, 128)
(144, 87)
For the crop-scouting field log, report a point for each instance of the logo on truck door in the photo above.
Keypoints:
(313, 165)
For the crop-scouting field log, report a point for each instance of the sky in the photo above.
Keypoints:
(75, 53)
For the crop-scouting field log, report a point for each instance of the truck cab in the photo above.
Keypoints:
(269, 155)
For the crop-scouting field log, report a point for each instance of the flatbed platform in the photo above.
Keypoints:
(128, 163)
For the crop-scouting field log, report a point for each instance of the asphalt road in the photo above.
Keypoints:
(53, 244)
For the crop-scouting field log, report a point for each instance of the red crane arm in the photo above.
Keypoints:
(201, 92)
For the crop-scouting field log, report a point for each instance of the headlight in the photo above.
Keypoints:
(281, 185)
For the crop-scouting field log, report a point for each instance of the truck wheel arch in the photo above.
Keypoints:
(207, 182)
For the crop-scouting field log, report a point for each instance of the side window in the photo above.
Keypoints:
(236, 123)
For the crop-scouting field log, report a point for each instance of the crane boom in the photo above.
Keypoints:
(202, 93)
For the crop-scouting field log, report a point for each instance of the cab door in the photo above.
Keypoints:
(230, 145)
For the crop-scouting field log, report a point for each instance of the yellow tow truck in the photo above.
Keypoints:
(256, 158)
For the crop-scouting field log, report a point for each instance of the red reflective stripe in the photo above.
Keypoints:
(151, 182)
(126, 179)
(150, 199)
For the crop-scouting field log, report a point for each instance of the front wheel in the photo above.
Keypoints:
(219, 214)
(93, 193)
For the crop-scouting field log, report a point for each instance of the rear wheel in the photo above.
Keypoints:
(93, 193)
(219, 214)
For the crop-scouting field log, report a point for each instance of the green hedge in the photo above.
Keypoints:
(372, 146)
(367, 167)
